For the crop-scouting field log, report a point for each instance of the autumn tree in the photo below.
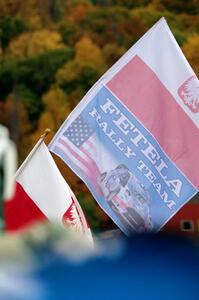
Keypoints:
(10, 7)
(179, 6)
(70, 32)
(190, 50)
(77, 9)
(86, 67)
(15, 116)
(56, 109)
(112, 52)
(150, 15)
(10, 27)
(34, 43)
(113, 25)
(32, 103)
(57, 9)
(56, 106)
(130, 3)
(36, 73)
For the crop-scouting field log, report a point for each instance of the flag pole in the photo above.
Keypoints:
(46, 132)
(42, 137)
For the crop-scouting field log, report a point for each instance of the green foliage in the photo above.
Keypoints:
(149, 15)
(98, 220)
(84, 70)
(190, 23)
(32, 103)
(131, 3)
(113, 24)
(89, 206)
(112, 52)
(57, 9)
(69, 32)
(180, 36)
(125, 3)
(87, 77)
(8, 77)
(179, 6)
(10, 27)
(36, 73)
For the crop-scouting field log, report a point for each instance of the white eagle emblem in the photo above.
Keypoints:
(75, 221)
(72, 219)
(189, 93)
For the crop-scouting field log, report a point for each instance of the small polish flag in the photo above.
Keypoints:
(43, 194)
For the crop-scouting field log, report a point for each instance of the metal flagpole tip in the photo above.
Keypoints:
(46, 132)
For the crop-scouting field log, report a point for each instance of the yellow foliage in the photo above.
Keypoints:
(191, 50)
(34, 22)
(56, 111)
(67, 73)
(87, 55)
(33, 43)
(10, 7)
(56, 103)
(112, 52)
(45, 121)
(36, 13)
(75, 96)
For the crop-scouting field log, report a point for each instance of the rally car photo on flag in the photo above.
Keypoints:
(127, 197)
(133, 137)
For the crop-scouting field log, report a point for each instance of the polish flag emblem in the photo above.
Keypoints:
(72, 219)
(189, 93)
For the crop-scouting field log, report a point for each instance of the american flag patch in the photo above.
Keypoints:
(78, 143)
(78, 132)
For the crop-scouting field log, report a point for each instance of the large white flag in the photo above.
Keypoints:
(134, 137)
(43, 194)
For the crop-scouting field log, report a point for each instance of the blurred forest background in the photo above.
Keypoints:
(53, 51)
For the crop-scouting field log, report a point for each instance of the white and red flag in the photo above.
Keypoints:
(133, 138)
(43, 194)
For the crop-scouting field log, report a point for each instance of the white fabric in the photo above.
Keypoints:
(45, 185)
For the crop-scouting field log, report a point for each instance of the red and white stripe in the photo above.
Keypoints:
(41, 193)
(141, 91)
(83, 158)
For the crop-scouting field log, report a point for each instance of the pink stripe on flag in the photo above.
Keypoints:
(90, 165)
(63, 153)
(138, 87)
(90, 144)
(74, 154)
(93, 171)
